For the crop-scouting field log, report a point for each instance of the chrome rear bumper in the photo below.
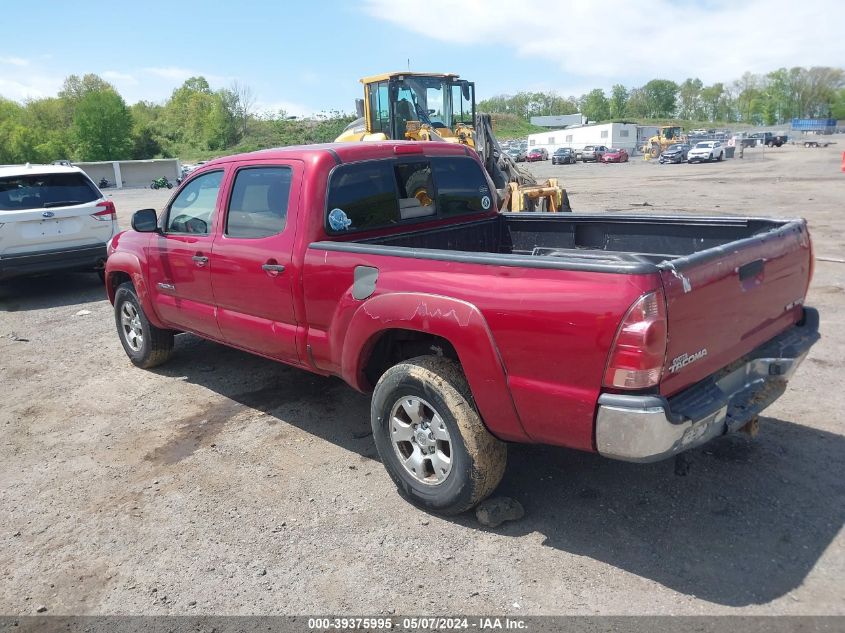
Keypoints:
(650, 428)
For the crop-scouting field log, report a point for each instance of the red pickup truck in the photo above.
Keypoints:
(388, 264)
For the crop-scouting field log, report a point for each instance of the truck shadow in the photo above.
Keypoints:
(22, 294)
(745, 526)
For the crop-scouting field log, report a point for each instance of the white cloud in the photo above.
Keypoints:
(119, 77)
(14, 61)
(633, 42)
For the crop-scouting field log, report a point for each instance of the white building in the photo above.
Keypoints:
(622, 135)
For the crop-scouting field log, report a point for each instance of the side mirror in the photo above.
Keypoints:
(359, 107)
(145, 221)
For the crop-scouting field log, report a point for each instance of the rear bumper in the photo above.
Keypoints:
(651, 428)
(77, 258)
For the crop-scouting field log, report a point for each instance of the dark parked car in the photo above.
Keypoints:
(563, 156)
(538, 153)
(517, 153)
(675, 153)
(593, 153)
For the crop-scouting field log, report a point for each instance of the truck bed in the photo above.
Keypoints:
(630, 243)
(730, 284)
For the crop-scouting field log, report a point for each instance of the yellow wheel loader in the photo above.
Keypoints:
(441, 107)
(666, 136)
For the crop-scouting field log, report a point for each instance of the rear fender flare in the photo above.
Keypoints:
(460, 323)
(122, 262)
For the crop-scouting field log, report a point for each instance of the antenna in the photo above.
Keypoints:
(409, 64)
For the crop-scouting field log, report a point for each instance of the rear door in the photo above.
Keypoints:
(180, 256)
(50, 211)
(252, 277)
(722, 306)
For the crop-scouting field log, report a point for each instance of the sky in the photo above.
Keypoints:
(307, 57)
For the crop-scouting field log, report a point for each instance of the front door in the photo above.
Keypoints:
(251, 260)
(180, 266)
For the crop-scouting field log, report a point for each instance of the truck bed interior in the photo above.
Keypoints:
(601, 239)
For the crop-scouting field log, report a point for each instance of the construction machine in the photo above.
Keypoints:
(666, 136)
(441, 107)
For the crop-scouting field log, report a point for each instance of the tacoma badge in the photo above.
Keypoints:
(686, 359)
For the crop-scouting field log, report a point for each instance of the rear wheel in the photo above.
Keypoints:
(721, 156)
(145, 344)
(431, 439)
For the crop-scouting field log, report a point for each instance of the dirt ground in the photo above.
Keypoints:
(224, 483)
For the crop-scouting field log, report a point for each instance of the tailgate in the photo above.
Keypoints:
(725, 301)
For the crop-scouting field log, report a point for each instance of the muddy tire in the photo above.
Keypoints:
(431, 439)
(146, 345)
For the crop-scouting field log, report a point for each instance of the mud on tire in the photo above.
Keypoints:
(477, 458)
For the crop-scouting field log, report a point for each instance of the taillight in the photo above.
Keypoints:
(639, 350)
(107, 211)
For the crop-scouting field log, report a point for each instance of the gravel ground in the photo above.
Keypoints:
(224, 483)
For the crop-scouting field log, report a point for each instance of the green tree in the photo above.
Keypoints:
(595, 105)
(689, 99)
(660, 97)
(712, 100)
(102, 126)
(618, 101)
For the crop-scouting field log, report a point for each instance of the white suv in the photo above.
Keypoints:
(52, 217)
(706, 151)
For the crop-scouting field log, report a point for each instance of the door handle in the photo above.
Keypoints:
(273, 269)
(201, 260)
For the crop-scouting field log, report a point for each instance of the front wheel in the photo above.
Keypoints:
(431, 439)
(153, 186)
(169, 185)
(145, 344)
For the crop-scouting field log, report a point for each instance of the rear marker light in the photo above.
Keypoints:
(639, 349)
(108, 211)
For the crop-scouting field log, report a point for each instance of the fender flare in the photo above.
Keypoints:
(123, 262)
(456, 321)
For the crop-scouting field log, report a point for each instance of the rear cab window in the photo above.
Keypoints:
(383, 193)
(43, 191)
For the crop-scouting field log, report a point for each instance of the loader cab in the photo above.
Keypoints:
(414, 106)
(672, 133)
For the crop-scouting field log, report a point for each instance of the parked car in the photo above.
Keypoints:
(706, 151)
(537, 154)
(676, 153)
(518, 154)
(593, 153)
(52, 218)
(614, 155)
(375, 262)
(563, 156)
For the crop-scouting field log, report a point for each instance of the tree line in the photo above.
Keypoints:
(758, 99)
(89, 121)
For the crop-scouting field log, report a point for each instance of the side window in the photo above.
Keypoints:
(461, 186)
(568, 138)
(379, 107)
(362, 195)
(193, 208)
(259, 203)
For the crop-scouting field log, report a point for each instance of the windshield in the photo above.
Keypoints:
(673, 148)
(436, 101)
(703, 145)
